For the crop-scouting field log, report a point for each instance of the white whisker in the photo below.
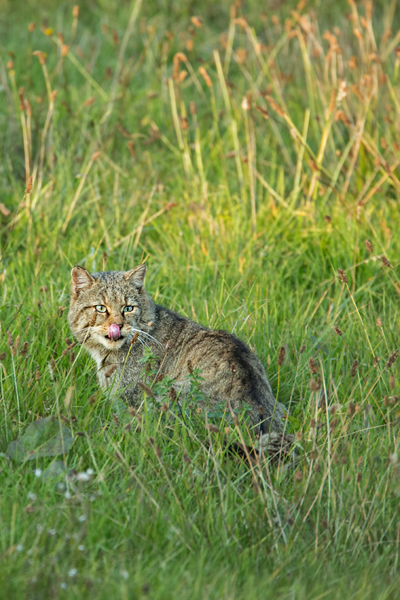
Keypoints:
(140, 331)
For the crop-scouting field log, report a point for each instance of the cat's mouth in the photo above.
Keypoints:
(110, 339)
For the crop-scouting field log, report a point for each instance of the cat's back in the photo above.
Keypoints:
(229, 369)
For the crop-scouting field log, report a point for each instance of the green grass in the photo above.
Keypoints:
(244, 221)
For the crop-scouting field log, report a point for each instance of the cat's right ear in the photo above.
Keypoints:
(81, 281)
(136, 275)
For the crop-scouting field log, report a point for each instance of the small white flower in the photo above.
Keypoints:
(67, 536)
(20, 548)
(63, 585)
(89, 471)
(81, 547)
(31, 496)
(72, 572)
(39, 528)
(38, 472)
(82, 477)
(52, 532)
(82, 518)
(125, 574)
(67, 495)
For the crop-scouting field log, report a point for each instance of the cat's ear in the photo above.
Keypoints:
(81, 280)
(136, 275)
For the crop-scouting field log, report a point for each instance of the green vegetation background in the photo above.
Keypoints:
(247, 170)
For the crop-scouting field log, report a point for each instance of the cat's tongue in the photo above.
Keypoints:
(114, 332)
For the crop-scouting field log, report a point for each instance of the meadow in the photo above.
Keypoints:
(249, 152)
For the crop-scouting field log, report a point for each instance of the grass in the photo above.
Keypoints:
(248, 157)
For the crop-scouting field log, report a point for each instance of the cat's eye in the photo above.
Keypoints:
(101, 308)
(128, 309)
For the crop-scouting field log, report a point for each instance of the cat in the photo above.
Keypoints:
(114, 318)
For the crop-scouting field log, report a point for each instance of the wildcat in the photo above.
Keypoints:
(114, 317)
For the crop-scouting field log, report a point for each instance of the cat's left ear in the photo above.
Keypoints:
(136, 275)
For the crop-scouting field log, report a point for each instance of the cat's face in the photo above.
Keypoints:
(106, 308)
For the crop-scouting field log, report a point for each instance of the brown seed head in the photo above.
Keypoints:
(328, 219)
(37, 375)
(298, 476)
(392, 359)
(135, 337)
(376, 361)
(164, 407)
(189, 366)
(212, 428)
(42, 56)
(354, 368)
(379, 322)
(369, 246)
(205, 76)
(75, 11)
(281, 356)
(385, 261)
(312, 365)
(337, 330)
(351, 409)
(31, 27)
(146, 389)
(314, 385)
(10, 339)
(3, 355)
(342, 276)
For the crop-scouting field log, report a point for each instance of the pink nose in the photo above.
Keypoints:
(114, 332)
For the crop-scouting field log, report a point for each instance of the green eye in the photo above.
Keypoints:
(101, 308)
(129, 308)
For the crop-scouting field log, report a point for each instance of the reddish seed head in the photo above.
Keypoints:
(114, 332)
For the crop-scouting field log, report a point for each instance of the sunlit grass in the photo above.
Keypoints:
(252, 159)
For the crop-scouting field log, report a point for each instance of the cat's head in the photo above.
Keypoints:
(108, 308)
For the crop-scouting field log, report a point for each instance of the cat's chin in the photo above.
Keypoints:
(112, 344)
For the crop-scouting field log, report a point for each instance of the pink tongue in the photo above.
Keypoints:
(114, 331)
